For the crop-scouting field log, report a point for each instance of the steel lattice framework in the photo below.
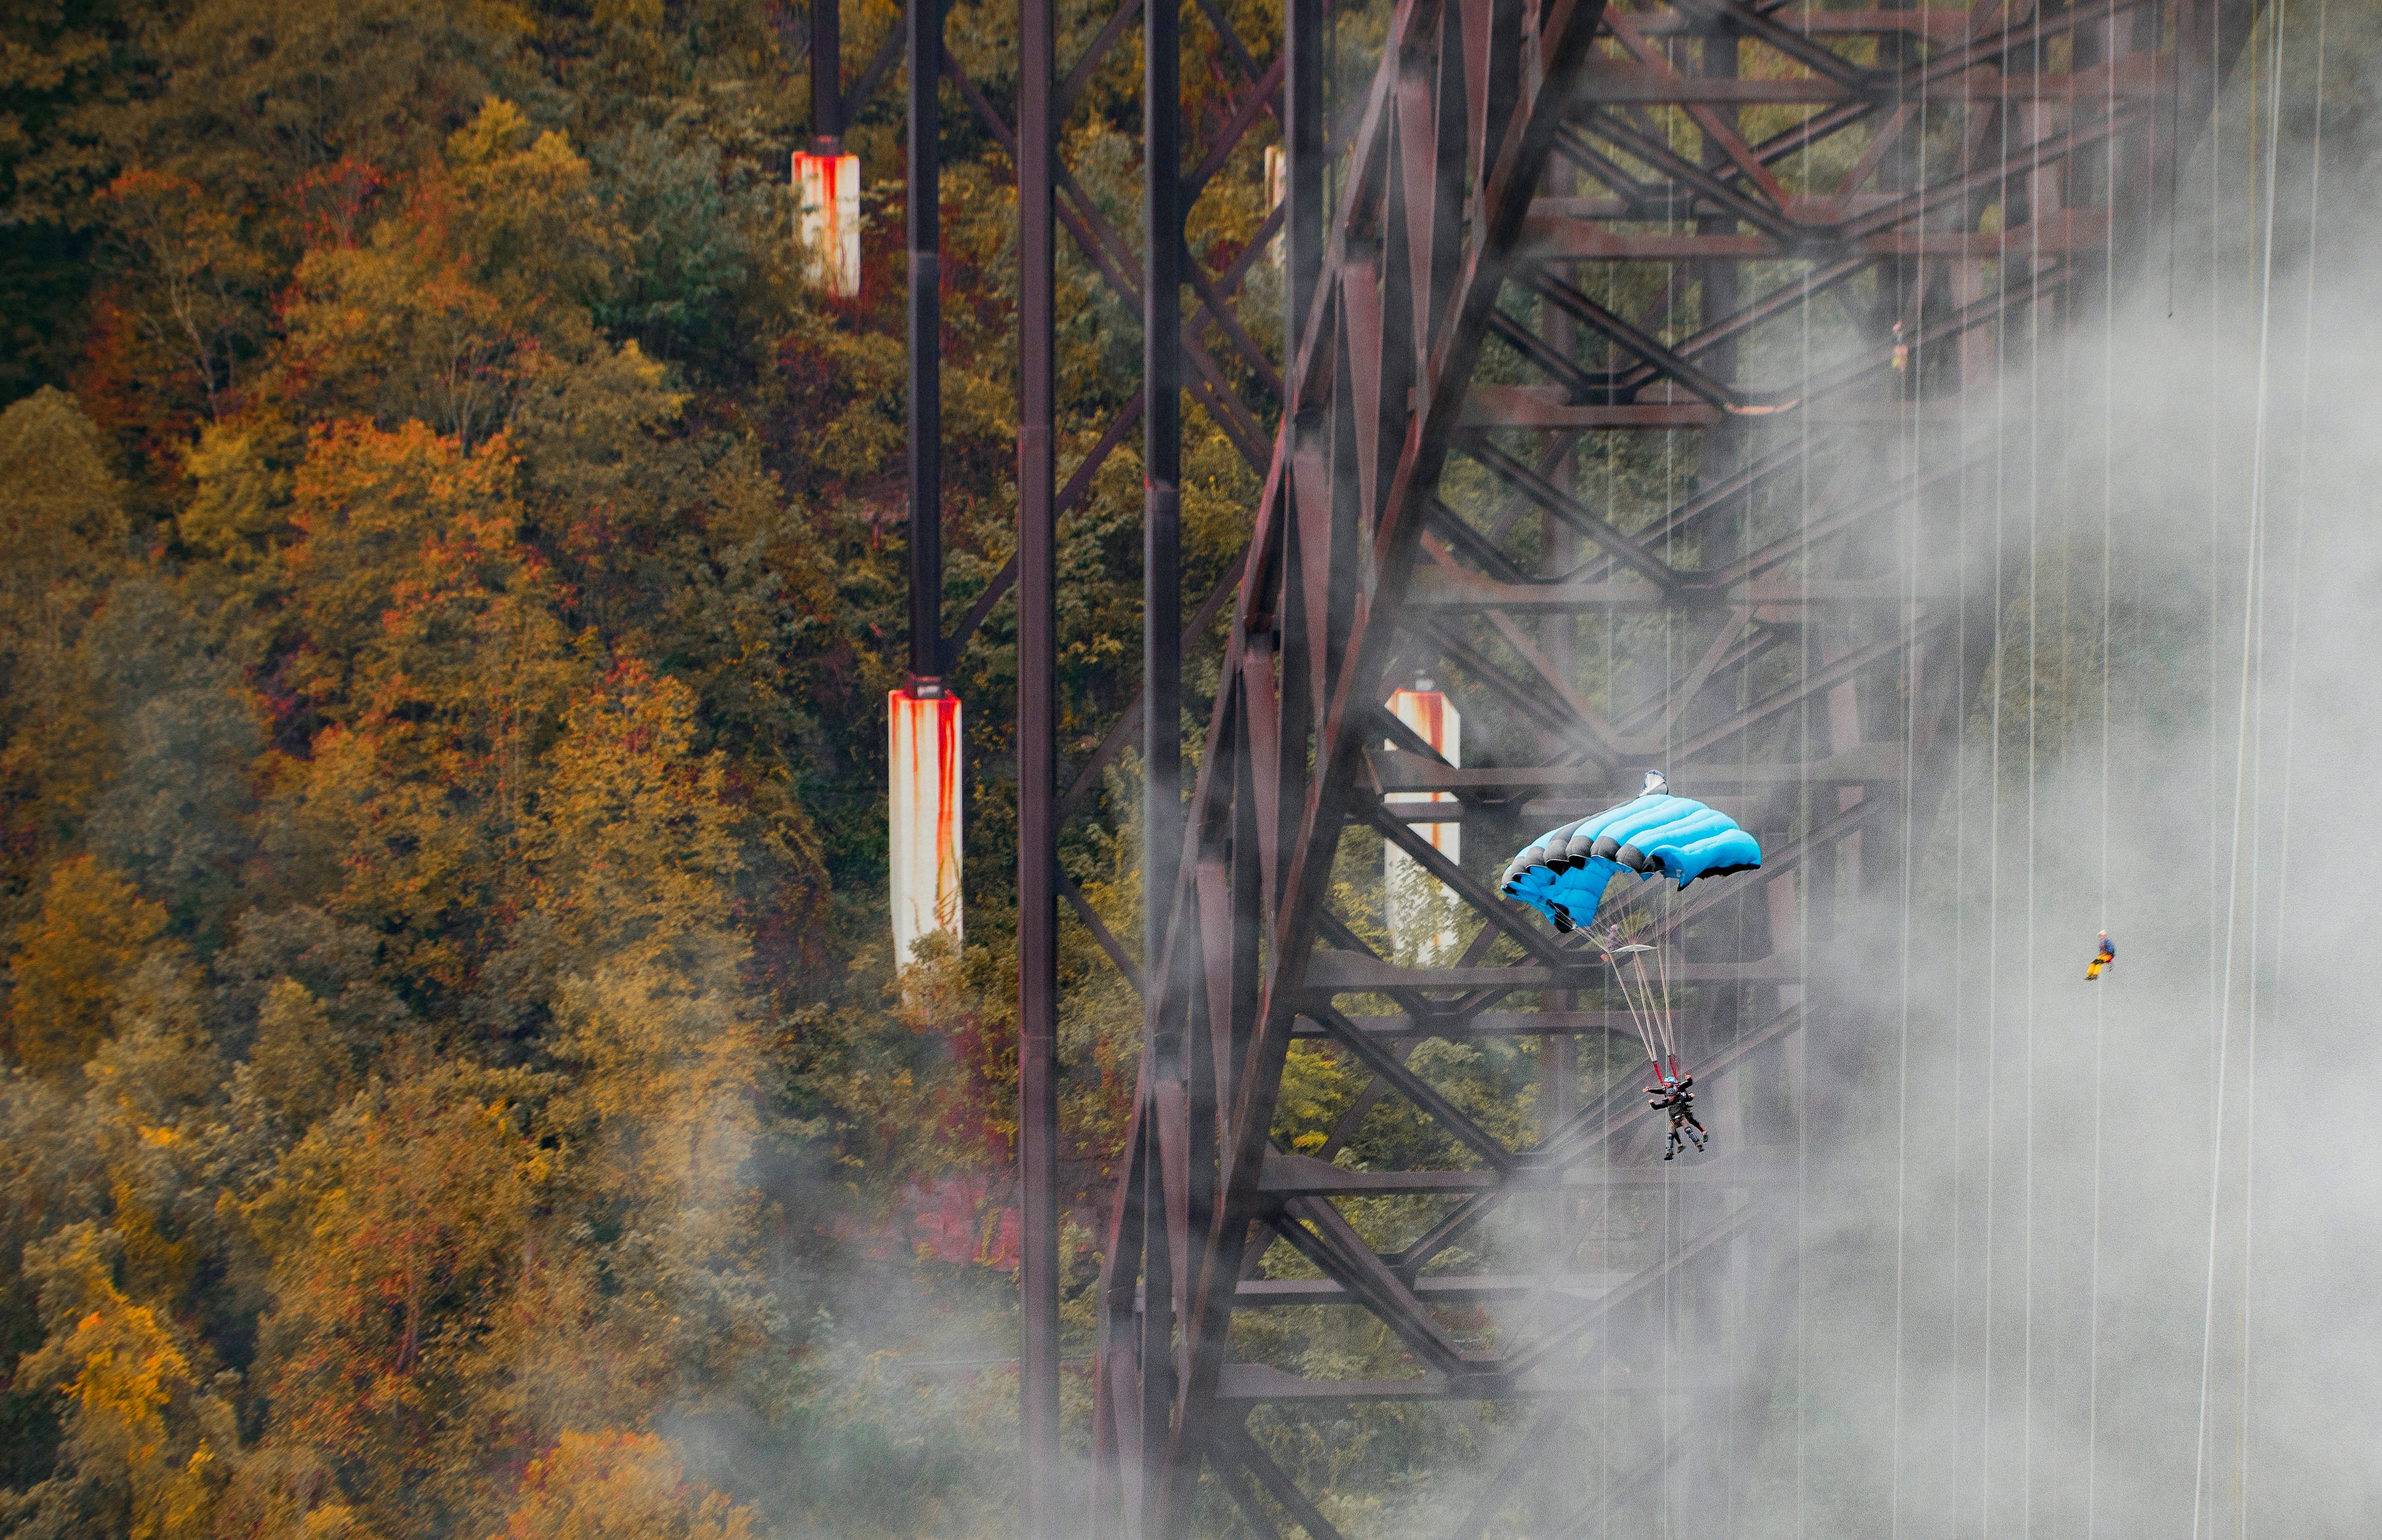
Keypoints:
(1634, 354)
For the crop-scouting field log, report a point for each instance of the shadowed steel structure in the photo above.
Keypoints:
(1640, 360)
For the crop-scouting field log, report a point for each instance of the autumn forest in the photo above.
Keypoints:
(456, 1083)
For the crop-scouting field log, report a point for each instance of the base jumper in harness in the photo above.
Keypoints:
(2106, 956)
(1678, 1100)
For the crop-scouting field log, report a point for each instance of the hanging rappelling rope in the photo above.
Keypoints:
(1993, 856)
(1803, 910)
(1909, 783)
(2108, 495)
(2253, 543)
(2290, 715)
(2033, 864)
(1956, 1443)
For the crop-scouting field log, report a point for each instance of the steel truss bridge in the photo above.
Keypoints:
(1633, 366)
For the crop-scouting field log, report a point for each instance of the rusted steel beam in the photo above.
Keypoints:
(1515, 920)
(1236, 1479)
(1574, 237)
(1337, 972)
(925, 24)
(1358, 563)
(1390, 1067)
(1322, 1234)
(1866, 763)
(1464, 1289)
(1288, 1175)
(1250, 1384)
(1237, 1445)
(1454, 589)
(827, 77)
(1619, 82)
(1408, 1028)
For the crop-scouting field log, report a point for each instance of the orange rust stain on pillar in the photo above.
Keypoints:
(923, 773)
(828, 223)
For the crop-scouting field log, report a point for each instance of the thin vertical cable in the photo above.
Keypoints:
(1911, 683)
(1803, 952)
(2253, 559)
(2249, 1042)
(2100, 1014)
(2034, 678)
(1994, 849)
(2292, 668)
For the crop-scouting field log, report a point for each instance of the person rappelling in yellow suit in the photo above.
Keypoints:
(2102, 959)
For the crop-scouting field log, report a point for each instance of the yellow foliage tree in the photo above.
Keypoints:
(136, 1414)
(396, 1227)
(431, 646)
(93, 928)
(618, 1486)
(279, 1494)
(63, 537)
(634, 842)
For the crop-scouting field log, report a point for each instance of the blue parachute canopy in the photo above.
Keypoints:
(1563, 871)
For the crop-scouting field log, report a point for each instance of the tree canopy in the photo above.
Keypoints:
(450, 569)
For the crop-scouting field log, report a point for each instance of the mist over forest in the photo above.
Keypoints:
(456, 1079)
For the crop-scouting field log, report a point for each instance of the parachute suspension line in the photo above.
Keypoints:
(2249, 690)
(1649, 1007)
(1663, 971)
(1640, 1012)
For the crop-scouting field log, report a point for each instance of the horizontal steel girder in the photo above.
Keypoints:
(1635, 233)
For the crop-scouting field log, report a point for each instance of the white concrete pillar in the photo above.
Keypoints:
(827, 221)
(1421, 913)
(923, 766)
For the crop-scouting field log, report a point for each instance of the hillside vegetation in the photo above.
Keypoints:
(455, 1082)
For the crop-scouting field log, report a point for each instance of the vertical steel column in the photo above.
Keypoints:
(827, 78)
(1557, 633)
(926, 18)
(1304, 51)
(1302, 133)
(1037, 917)
(1161, 663)
(1161, 627)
